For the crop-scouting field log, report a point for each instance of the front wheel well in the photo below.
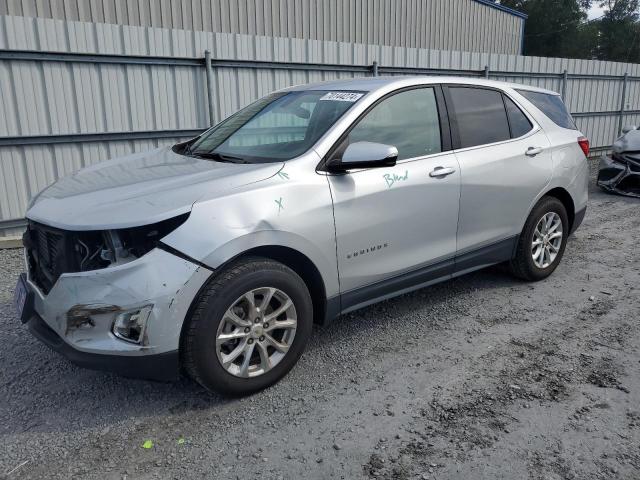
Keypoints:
(300, 264)
(565, 197)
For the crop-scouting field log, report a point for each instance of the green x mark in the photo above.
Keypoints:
(283, 175)
(280, 205)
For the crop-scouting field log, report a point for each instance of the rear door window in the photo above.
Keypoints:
(518, 121)
(480, 116)
(552, 106)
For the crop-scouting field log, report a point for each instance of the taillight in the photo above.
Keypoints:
(584, 145)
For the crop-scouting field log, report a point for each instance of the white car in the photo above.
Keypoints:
(217, 255)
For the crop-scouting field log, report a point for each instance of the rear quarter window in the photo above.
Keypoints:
(552, 106)
(518, 121)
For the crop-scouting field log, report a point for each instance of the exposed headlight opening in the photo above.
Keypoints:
(137, 241)
(52, 251)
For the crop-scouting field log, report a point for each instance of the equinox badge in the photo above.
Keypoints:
(364, 251)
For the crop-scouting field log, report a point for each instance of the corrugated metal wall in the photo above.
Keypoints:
(42, 98)
(465, 25)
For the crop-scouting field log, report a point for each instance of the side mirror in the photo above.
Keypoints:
(628, 128)
(365, 155)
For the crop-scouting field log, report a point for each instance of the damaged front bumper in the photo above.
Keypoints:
(77, 316)
(620, 174)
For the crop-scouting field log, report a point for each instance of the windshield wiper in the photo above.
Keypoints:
(218, 157)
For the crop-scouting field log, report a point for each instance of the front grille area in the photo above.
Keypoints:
(49, 245)
(50, 254)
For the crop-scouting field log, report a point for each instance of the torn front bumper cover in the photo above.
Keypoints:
(160, 366)
(76, 318)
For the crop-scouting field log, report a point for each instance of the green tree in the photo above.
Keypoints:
(556, 28)
(619, 31)
(559, 28)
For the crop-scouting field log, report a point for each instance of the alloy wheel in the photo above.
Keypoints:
(547, 240)
(256, 332)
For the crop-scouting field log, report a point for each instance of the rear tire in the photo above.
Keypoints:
(539, 248)
(225, 321)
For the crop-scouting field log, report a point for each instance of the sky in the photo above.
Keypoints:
(595, 12)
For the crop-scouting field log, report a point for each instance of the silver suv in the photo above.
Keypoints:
(217, 255)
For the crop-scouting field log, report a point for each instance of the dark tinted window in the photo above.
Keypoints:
(552, 106)
(518, 121)
(480, 115)
(407, 120)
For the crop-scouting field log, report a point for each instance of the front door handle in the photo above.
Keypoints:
(441, 172)
(533, 151)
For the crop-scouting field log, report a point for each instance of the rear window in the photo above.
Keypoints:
(552, 106)
(480, 115)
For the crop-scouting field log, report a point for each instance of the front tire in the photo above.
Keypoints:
(542, 241)
(248, 328)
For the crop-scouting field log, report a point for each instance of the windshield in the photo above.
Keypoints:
(277, 127)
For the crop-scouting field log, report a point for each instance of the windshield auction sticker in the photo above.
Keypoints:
(342, 96)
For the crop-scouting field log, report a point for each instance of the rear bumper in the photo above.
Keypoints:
(162, 366)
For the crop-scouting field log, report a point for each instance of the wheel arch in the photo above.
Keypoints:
(292, 258)
(303, 266)
(565, 197)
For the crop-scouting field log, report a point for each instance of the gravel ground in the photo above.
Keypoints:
(480, 377)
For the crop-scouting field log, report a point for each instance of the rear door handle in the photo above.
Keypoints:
(441, 172)
(533, 151)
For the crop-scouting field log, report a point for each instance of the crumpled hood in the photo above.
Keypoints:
(139, 189)
(629, 142)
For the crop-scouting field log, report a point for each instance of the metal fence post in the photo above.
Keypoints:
(374, 68)
(623, 100)
(208, 68)
(486, 71)
(565, 78)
